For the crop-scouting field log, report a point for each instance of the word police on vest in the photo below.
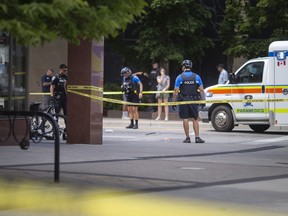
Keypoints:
(189, 82)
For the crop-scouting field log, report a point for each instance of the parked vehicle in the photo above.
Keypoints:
(255, 95)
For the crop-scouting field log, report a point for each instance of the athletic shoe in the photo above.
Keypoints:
(157, 119)
(125, 117)
(187, 140)
(135, 127)
(199, 140)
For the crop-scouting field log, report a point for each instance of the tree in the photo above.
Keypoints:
(172, 30)
(231, 31)
(39, 21)
(250, 26)
(267, 22)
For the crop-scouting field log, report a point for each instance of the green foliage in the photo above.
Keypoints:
(33, 22)
(231, 30)
(248, 29)
(172, 30)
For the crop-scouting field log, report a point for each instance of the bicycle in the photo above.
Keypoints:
(42, 128)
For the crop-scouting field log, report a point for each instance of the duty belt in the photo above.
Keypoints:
(186, 95)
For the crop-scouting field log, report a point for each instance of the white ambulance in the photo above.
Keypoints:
(257, 94)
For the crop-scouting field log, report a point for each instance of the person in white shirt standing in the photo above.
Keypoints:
(223, 76)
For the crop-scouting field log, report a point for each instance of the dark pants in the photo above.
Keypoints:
(61, 103)
(151, 98)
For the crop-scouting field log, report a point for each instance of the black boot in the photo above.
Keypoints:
(136, 125)
(131, 124)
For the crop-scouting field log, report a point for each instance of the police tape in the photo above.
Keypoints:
(95, 97)
(35, 199)
(85, 87)
(104, 93)
(14, 98)
(99, 89)
(39, 93)
(76, 88)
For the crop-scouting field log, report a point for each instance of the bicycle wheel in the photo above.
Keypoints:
(47, 130)
(36, 129)
(42, 128)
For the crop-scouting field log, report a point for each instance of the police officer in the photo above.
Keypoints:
(191, 89)
(46, 81)
(152, 84)
(58, 90)
(132, 88)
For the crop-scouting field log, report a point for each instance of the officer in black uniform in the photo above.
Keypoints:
(152, 84)
(191, 89)
(132, 88)
(58, 90)
(46, 81)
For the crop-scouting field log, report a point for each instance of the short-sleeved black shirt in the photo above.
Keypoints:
(153, 80)
(59, 83)
(46, 78)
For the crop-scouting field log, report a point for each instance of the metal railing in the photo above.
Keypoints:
(24, 143)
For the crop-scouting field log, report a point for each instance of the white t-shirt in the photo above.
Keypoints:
(223, 77)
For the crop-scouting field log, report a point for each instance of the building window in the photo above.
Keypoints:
(13, 74)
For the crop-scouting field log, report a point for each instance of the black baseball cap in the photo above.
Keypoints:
(63, 66)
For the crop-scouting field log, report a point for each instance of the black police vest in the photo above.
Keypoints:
(153, 80)
(189, 87)
(60, 86)
(130, 87)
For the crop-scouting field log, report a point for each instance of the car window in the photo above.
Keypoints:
(251, 73)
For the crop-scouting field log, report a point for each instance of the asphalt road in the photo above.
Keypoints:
(237, 168)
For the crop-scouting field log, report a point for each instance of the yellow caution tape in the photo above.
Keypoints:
(39, 93)
(84, 87)
(15, 98)
(19, 73)
(37, 199)
(75, 90)
(104, 93)
(94, 88)
(174, 103)
(144, 92)
(133, 104)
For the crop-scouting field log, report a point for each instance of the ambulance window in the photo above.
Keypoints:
(251, 73)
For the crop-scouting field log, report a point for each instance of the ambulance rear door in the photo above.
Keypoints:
(279, 90)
